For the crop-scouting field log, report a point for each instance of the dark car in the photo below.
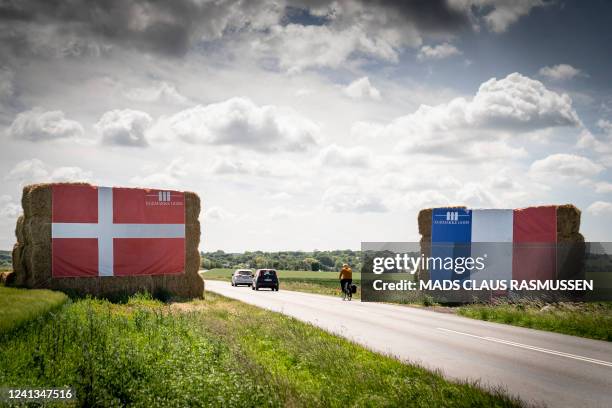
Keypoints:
(265, 278)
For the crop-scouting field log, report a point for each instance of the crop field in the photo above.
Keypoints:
(18, 306)
(214, 352)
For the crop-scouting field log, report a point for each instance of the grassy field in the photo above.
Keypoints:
(322, 283)
(213, 352)
(592, 320)
(18, 306)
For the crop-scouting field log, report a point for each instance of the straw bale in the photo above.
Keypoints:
(19, 230)
(568, 223)
(424, 221)
(32, 254)
(37, 229)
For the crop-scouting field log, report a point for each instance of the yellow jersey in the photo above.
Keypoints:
(346, 273)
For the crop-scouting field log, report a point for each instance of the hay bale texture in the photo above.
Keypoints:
(32, 255)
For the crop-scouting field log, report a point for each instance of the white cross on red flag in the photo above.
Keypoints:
(106, 231)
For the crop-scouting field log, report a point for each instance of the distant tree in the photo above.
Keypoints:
(325, 259)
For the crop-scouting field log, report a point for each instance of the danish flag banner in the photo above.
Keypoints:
(105, 231)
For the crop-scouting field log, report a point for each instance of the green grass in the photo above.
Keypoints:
(18, 306)
(592, 320)
(322, 283)
(214, 352)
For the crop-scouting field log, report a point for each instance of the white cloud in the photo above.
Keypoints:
(366, 130)
(416, 200)
(505, 13)
(69, 173)
(479, 127)
(476, 195)
(124, 127)
(218, 214)
(9, 208)
(603, 148)
(520, 102)
(334, 155)
(559, 72)
(240, 122)
(280, 212)
(603, 187)
(437, 52)
(169, 176)
(600, 143)
(303, 92)
(348, 200)
(159, 92)
(362, 89)
(605, 126)
(281, 195)
(38, 125)
(600, 208)
(35, 171)
(236, 166)
(565, 165)
(300, 47)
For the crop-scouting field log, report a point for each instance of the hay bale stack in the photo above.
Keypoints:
(32, 254)
(568, 223)
(570, 242)
(424, 222)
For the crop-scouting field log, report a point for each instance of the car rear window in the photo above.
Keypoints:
(268, 273)
(244, 273)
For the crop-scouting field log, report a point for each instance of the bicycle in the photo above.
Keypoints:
(346, 290)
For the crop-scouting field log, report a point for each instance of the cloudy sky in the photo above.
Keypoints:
(312, 124)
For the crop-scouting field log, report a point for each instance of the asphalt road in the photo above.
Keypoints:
(540, 367)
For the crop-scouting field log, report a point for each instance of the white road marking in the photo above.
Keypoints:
(528, 347)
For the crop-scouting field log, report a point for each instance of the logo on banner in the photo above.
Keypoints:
(162, 198)
(452, 217)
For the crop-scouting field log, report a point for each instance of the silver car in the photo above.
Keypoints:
(242, 277)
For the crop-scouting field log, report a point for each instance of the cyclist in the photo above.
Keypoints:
(346, 279)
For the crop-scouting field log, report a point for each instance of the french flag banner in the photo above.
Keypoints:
(516, 244)
(105, 231)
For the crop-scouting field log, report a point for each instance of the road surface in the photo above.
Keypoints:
(540, 367)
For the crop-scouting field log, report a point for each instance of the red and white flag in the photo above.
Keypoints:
(105, 231)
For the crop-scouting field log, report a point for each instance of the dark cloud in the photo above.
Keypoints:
(162, 26)
(170, 27)
(427, 15)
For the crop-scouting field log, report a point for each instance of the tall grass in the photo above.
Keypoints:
(132, 355)
(215, 352)
(592, 320)
(310, 367)
(18, 306)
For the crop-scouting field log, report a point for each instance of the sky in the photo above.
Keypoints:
(309, 125)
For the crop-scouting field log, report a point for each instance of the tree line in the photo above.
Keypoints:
(285, 260)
